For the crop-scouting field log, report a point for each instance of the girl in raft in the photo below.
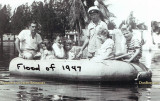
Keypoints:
(47, 52)
(58, 48)
(107, 47)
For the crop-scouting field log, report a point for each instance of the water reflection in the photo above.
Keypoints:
(73, 92)
(65, 91)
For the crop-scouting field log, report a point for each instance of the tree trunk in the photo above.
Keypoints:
(78, 27)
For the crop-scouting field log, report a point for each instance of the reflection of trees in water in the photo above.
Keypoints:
(7, 52)
(38, 94)
(1, 52)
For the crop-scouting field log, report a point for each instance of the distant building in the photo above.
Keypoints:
(8, 37)
(73, 35)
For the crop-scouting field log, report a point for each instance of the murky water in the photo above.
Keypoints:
(16, 88)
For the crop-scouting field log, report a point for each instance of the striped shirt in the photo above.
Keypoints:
(132, 46)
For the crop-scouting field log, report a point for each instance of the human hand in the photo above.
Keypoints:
(22, 55)
(79, 54)
(127, 60)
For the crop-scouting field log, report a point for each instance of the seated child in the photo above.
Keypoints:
(58, 48)
(42, 48)
(47, 52)
(106, 48)
(71, 50)
(134, 46)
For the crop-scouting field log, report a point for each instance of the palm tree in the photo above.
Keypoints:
(106, 14)
(78, 16)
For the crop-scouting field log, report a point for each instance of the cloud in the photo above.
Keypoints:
(122, 9)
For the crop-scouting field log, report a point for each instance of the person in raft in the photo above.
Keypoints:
(58, 48)
(28, 42)
(71, 50)
(134, 46)
(47, 53)
(94, 26)
(106, 50)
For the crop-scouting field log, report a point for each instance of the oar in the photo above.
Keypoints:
(121, 56)
(117, 57)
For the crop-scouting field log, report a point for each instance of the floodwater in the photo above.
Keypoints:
(17, 88)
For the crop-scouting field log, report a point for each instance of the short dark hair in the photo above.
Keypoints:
(49, 46)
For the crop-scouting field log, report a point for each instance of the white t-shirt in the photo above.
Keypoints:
(26, 40)
(102, 52)
(47, 55)
(58, 50)
(93, 30)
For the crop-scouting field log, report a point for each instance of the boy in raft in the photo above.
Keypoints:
(134, 46)
(71, 50)
(107, 47)
(58, 48)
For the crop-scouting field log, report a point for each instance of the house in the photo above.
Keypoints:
(8, 37)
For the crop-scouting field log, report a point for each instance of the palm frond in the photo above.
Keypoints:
(104, 9)
(77, 12)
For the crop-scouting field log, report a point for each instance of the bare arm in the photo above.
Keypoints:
(85, 44)
(17, 43)
(83, 47)
(39, 47)
(135, 54)
(152, 38)
(104, 55)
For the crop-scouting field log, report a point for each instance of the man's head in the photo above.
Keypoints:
(33, 27)
(94, 13)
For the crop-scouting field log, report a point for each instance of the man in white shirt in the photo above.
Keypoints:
(28, 42)
(94, 26)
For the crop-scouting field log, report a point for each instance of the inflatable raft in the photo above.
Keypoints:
(80, 70)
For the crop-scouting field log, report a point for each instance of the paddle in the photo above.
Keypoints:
(117, 57)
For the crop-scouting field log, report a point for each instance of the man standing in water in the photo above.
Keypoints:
(28, 42)
(94, 26)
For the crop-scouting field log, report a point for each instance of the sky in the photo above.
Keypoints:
(144, 10)
(16, 3)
